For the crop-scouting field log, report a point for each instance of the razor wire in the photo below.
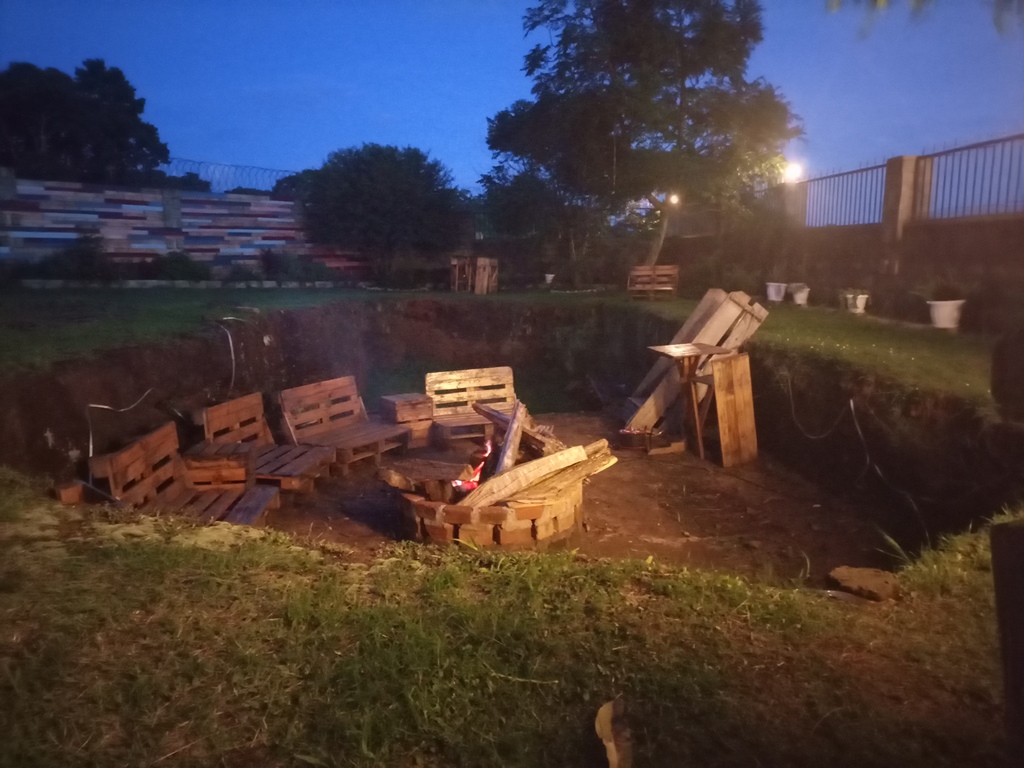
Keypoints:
(223, 177)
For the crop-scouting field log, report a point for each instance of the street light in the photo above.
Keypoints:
(674, 199)
(792, 173)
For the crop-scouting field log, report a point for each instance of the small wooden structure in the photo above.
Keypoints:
(241, 422)
(332, 413)
(657, 281)
(728, 385)
(151, 474)
(721, 319)
(413, 410)
(455, 392)
(476, 274)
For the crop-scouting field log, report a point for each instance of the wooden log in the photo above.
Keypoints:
(536, 440)
(510, 444)
(432, 479)
(1008, 575)
(505, 485)
(599, 458)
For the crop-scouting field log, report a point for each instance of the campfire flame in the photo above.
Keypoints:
(473, 482)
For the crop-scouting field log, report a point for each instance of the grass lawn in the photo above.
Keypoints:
(124, 643)
(40, 327)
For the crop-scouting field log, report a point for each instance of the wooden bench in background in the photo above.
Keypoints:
(647, 282)
(151, 474)
(332, 413)
(454, 393)
(242, 422)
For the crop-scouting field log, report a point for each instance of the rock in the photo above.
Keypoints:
(869, 583)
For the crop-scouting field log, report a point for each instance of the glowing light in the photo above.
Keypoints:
(674, 199)
(473, 482)
(792, 173)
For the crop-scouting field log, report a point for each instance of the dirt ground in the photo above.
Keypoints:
(756, 520)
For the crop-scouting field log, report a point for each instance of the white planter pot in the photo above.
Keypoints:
(946, 314)
(776, 291)
(549, 278)
(800, 294)
(856, 302)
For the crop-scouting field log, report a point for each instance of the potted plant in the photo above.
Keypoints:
(855, 300)
(775, 289)
(945, 303)
(800, 293)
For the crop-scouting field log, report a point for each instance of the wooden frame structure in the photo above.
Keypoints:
(332, 413)
(476, 274)
(242, 420)
(657, 281)
(151, 474)
(455, 392)
(721, 319)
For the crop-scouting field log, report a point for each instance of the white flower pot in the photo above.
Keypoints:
(549, 278)
(856, 302)
(946, 314)
(800, 293)
(776, 291)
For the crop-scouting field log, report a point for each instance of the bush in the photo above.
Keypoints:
(178, 265)
(84, 260)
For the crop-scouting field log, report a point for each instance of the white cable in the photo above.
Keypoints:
(102, 407)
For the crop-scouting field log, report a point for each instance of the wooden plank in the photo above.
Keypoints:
(454, 392)
(541, 443)
(735, 409)
(513, 434)
(505, 485)
(555, 485)
(252, 507)
(236, 421)
(1007, 541)
(221, 504)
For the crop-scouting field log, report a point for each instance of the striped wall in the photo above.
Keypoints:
(38, 218)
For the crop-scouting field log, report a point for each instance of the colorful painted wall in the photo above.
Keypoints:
(224, 230)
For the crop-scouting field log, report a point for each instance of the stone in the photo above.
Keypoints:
(869, 583)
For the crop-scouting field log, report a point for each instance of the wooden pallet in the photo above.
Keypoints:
(240, 425)
(151, 474)
(411, 406)
(331, 413)
(455, 392)
(649, 282)
(721, 319)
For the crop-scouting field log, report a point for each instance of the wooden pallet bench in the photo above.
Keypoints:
(455, 392)
(151, 474)
(331, 413)
(648, 282)
(241, 424)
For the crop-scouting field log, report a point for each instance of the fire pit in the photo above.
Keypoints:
(500, 500)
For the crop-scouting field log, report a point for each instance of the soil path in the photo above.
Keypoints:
(757, 520)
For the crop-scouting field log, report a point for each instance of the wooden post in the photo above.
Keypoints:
(1008, 575)
(510, 444)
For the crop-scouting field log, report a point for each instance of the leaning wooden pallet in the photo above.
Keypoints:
(241, 422)
(332, 413)
(150, 474)
(721, 319)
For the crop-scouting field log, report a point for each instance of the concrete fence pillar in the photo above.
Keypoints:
(794, 203)
(8, 191)
(907, 195)
(171, 199)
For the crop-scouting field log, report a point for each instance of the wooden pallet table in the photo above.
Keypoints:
(414, 410)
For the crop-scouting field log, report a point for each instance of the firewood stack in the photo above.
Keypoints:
(533, 496)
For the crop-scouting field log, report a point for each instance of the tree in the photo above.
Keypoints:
(1002, 10)
(386, 201)
(646, 99)
(85, 128)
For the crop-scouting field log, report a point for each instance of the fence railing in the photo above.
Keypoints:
(984, 179)
(840, 199)
(223, 177)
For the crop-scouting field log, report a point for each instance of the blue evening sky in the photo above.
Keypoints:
(281, 84)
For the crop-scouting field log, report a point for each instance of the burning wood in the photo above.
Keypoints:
(435, 480)
(536, 438)
(503, 486)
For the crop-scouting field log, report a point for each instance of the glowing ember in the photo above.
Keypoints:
(473, 482)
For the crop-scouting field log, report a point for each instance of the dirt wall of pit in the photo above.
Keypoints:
(933, 463)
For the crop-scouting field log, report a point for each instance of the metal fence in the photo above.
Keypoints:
(840, 199)
(984, 179)
(223, 177)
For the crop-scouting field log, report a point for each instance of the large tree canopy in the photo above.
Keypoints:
(641, 98)
(386, 201)
(83, 128)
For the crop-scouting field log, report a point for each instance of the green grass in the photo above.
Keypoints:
(154, 653)
(38, 328)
